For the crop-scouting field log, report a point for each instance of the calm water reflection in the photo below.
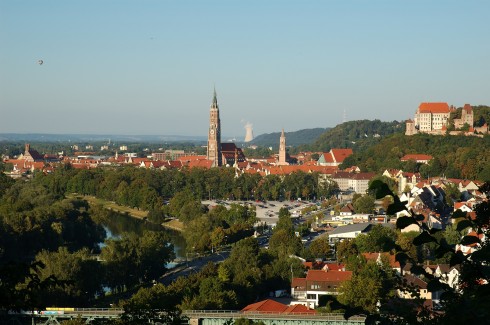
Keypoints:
(116, 224)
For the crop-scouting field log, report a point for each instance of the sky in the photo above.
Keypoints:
(149, 67)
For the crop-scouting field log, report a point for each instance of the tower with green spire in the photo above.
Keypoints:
(214, 134)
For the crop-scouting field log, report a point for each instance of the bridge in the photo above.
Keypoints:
(54, 316)
(219, 317)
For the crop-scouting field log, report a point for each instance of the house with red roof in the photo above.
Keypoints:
(317, 283)
(418, 158)
(380, 257)
(334, 157)
(470, 248)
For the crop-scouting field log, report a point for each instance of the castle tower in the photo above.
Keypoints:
(214, 134)
(282, 149)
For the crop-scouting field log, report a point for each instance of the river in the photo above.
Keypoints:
(120, 223)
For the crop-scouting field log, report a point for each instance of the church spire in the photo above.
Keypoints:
(215, 99)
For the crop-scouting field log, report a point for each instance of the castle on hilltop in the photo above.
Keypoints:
(434, 118)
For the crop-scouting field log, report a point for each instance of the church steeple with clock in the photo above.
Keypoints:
(214, 134)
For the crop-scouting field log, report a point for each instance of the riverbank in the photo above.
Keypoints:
(174, 224)
(135, 213)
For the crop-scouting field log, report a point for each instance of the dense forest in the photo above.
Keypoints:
(354, 134)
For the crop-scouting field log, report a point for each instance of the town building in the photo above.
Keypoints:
(168, 154)
(356, 182)
(31, 155)
(349, 231)
(418, 158)
(429, 118)
(307, 291)
(466, 117)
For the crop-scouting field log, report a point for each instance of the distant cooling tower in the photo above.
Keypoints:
(249, 134)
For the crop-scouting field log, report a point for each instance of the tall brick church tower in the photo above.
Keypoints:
(214, 134)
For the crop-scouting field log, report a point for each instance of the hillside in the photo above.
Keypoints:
(355, 134)
(454, 156)
(296, 138)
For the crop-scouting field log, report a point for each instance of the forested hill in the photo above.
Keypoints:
(454, 156)
(354, 133)
(306, 136)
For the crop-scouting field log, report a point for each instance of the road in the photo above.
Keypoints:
(267, 213)
(193, 265)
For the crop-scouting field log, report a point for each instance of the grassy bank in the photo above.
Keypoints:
(135, 213)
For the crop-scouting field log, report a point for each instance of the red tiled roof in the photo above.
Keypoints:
(267, 305)
(341, 154)
(203, 163)
(298, 282)
(416, 157)
(434, 108)
(458, 205)
(374, 257)
(271, 306)
(298, 309)
(328, 157)
(190, 158)
(330, 276)
(334, 266)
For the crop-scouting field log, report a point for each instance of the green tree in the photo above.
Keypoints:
(370, 285)
(364, 204)
(82, 274)
(320, 248)
(154, 304)
(452, 194)
(378, 239)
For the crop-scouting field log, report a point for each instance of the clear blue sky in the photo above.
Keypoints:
(149, 67)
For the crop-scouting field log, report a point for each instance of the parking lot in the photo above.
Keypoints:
(267, 212)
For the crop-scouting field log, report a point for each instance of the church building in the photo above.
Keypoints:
(222, 154)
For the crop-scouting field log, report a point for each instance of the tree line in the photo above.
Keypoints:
(149, 189)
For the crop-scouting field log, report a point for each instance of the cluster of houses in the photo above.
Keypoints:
(325, 279)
